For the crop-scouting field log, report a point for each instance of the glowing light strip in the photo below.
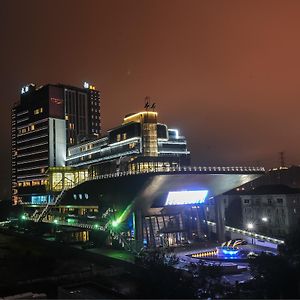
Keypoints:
(172, 142)
(89, 143)
(175, 152)
(34, 176)
(104, 158)
(128, 141)
(32, 160)
(140, 113)
(33, 138)
(97, 150)
(32, 146)
(32, 153)
(22, 120)
(33, 168)
(22, 113)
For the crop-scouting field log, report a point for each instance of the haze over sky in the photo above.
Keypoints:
(226, 73)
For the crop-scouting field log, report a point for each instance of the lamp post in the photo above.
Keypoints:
(250, 226)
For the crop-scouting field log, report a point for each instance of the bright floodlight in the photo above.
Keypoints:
(250, 226)
(115, 223)
(264, 219)
(186, 197)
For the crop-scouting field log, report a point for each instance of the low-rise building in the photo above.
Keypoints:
(270, 209)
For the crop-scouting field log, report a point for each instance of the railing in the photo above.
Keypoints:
(250, 233)
(218, 170)
(105, 228)
(39, 217)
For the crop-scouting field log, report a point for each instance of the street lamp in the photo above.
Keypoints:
(264, 219)
(250, 226)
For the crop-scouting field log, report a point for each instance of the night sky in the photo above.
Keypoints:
(226, 73)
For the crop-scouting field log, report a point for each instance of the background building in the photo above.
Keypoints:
(269, 209)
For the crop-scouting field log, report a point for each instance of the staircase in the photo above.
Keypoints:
(38, 217)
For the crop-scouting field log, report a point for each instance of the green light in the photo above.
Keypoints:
(115, 223)
(68, 220)
(55, 221)
(23, 217)
(96, 226)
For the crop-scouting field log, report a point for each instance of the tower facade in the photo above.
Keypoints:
(45, 122)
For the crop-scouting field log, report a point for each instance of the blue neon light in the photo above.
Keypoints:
(230, 252)
(186, 197)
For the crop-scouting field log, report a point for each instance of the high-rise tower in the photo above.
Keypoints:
(45, 122)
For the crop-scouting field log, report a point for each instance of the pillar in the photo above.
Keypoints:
(220, 218)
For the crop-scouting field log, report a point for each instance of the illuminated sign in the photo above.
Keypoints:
(186, 197)
(25, 88)
(86, 85)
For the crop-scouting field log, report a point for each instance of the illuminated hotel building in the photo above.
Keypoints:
(45, 121)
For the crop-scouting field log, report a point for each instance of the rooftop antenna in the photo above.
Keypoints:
(282, 159)
(153, 106)
(147, 103)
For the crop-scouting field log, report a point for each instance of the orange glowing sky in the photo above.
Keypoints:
(226, 73)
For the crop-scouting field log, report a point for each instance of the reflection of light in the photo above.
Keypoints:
(264, 219)
(250, 226)
(186, 197)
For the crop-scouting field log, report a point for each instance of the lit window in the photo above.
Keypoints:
(118, 137)
(124, 136)
(38, 111)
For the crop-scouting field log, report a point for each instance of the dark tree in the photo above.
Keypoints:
(158, 279)
(279, 276)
